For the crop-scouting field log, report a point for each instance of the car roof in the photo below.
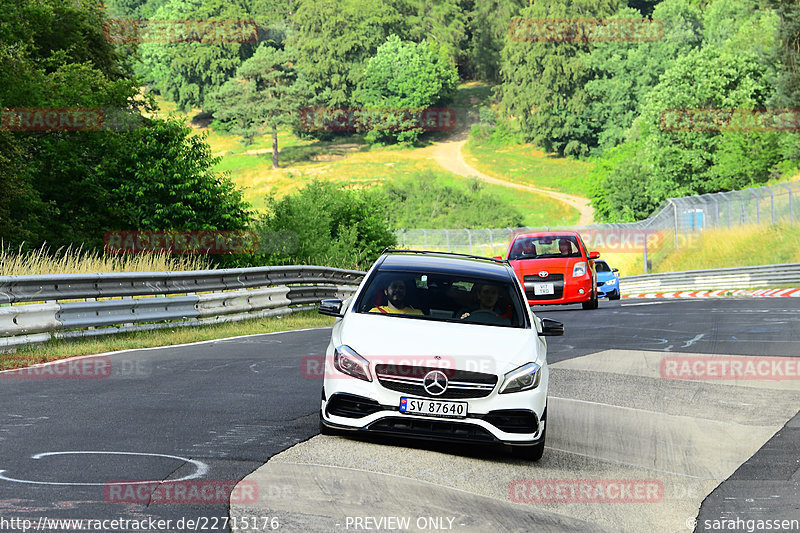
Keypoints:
(443, 263)
(563, 233)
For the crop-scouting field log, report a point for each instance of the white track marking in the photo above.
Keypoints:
(200, 469)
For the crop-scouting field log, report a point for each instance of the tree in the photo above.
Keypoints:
(623, 73)
(544, 82)
(488, 23)
(334, 39)
(323, 224)
(443, 24)
(265, 93)
(405, 76)
(187, 72)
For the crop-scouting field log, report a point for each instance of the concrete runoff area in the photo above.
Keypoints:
(612, 420)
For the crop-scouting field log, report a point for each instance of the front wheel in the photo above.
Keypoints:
(591, 304)
(530, 453)
(614, 296)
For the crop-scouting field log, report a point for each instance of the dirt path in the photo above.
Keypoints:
(448, 155)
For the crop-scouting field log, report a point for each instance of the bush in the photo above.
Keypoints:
(323, 224)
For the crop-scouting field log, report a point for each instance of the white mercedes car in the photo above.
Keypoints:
(438, 346)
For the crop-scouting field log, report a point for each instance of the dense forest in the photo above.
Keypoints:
(581, 97)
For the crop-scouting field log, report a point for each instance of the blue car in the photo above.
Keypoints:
(607, 280)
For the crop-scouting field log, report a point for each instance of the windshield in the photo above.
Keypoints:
(601, 266)
(443, 297)
(544, 247)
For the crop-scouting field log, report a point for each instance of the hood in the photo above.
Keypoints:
(399, 340)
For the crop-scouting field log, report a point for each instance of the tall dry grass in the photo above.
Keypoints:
(76, 260)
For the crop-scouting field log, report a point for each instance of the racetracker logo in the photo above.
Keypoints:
(85, 368)
(180, 31)
(584, 30)
(341, 119)
(181, 242)
(34, 119)
(620, 240)
(586, 491)
(709, 120)
(398, 366)
(194, 492)
(730, 367)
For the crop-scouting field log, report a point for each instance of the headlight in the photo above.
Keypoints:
(347, 361)
(524, 378)
(612, 281)
(579, 269)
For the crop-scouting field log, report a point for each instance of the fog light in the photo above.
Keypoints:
(580, 291)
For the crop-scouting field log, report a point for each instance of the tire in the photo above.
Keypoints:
(531, 453)
(614, 296)
(591, 304)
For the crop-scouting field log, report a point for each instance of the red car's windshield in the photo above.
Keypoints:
(544, 247)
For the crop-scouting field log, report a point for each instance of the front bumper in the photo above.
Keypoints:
(367, 407)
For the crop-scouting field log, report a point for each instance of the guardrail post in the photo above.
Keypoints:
(469, 237)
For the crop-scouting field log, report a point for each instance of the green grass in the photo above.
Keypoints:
(765, 244)
(536, 209)
(60, 349)
(526, 164)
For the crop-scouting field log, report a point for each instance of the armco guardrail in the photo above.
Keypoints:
(714, 279)
(38, 308)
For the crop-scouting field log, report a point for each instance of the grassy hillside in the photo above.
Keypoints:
(353, 163)
(720, 248)
(525, 163)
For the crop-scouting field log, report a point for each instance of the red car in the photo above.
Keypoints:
(555, 267)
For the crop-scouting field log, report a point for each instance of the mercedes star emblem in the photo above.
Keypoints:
(435, 382)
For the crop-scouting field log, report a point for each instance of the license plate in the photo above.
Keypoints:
(433, 408)
(543, 288)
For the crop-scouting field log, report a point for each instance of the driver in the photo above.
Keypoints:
(396, 300)
(565, 247)
(488, 295)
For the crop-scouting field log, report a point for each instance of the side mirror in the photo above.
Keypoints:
(614, 270)
(330, 308)
(551, 328)
(594, 255)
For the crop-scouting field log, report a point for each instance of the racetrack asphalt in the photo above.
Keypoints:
(232, 405)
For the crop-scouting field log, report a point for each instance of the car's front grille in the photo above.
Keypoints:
(435, 429)
(558, 286)
(460, 383)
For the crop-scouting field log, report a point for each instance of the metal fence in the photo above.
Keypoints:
(38, 308)
(676, 217)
